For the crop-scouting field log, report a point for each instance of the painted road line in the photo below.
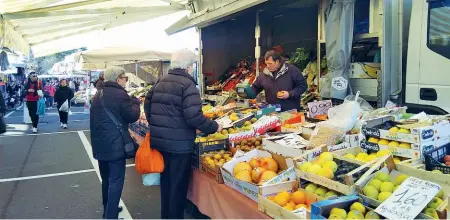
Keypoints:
(46, 175)
(87, 146)
(60, 132)
(12, 112)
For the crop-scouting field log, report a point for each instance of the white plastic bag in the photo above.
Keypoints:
(64, 107)
(152, 179)
(344, 116)
(40, 93)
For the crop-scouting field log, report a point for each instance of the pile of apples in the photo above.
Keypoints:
(381, 186)
(389, 143)
(323, 166)
(357, 211)
(257, 170)
(365, 157)
(292, 201)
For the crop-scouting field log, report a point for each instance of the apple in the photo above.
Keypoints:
(447, 158)
(435, 202)
(447, 163)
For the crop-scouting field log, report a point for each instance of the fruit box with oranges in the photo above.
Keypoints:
(297, 206)
(416, 133)
(285, 168)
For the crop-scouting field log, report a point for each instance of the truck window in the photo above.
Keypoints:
(439, 27)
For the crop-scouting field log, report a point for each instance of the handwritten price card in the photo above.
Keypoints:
(319, 108)
(409, 199)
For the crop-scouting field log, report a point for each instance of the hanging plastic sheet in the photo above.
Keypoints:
(339, 37)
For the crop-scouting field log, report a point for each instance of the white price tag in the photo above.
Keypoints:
(319, 108)
(409, 199)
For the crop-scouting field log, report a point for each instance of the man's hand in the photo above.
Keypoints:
(30, 90)
(283, 95)
(219, 129)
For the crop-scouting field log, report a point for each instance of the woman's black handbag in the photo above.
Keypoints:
(2, 125)
(131, 146)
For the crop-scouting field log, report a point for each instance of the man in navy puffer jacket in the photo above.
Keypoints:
(174, 111)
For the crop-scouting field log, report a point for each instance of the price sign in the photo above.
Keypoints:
(409, 199)
(319, 108)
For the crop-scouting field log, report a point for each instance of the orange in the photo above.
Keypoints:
(299, 197)
(282, 198)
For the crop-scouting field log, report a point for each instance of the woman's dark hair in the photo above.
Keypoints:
(274, 54)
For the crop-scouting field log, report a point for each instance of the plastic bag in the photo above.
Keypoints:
(344, 116)
(41, 107)
(64, 107)
(152, 179)
(148, 160)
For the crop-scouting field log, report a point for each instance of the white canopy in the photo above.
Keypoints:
(118, 54)
(26, 23)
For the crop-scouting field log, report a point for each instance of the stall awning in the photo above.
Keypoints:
(98, 59)
(211, 15)
(28, 23)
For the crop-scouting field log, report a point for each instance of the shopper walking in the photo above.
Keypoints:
(50, 93)
(2, 114)
(173, 110)
(108, 143)
(32, 93)
(63, 94)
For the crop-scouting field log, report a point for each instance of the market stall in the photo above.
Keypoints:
(355, 162)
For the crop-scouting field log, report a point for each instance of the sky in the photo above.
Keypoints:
(147, 34)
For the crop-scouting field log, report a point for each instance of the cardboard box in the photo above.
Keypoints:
(416, 136)
(322, 209)
(269, 144)
(310, 155)
(364, 70)
(277, 212)
(249, 189)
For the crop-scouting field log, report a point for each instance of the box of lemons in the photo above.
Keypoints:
(281, 200)
(331, 171)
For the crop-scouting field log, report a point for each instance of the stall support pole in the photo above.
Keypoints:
(319, 37)
(257, 48)
(200, 68)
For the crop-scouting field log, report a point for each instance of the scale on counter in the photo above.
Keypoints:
(243, 100)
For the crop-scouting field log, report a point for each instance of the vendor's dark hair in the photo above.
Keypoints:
(274, 54)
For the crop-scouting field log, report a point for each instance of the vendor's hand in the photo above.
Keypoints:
(283, 95)
(219, 129)
(30, 90)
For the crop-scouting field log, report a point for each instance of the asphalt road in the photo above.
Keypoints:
(53, 175)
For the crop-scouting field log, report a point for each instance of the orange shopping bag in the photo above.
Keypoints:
(148, 160)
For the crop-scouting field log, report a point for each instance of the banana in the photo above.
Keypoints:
(369, 70)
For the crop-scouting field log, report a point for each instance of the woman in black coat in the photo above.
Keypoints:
(108, 145)
(63, 94)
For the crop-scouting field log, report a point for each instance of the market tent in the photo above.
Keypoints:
(118, 54)
(26, 23)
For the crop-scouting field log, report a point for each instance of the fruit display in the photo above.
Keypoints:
(257, 170)
(432, 206)
(367, 157)
(217, 158)
(212, 137)
(248, 144)
(356, 211)
(292, 201)
(320, 191)
(327, 166)
(389, 143)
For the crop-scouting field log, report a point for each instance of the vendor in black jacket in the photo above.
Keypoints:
(108, 145)
(174, 111)
(63, 94)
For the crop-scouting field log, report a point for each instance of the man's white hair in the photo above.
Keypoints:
(182, 59)
(112, 73)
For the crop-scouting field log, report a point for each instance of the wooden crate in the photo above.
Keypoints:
(347, 186)
(277, 212)
(211, 172)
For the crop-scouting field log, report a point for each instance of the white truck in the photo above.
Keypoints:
(427, 83)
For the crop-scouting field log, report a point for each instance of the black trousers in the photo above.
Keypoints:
(63, 117)
(113, 176)
(32, 111)
(174, 184)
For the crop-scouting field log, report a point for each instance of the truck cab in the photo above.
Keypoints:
(427, 86)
